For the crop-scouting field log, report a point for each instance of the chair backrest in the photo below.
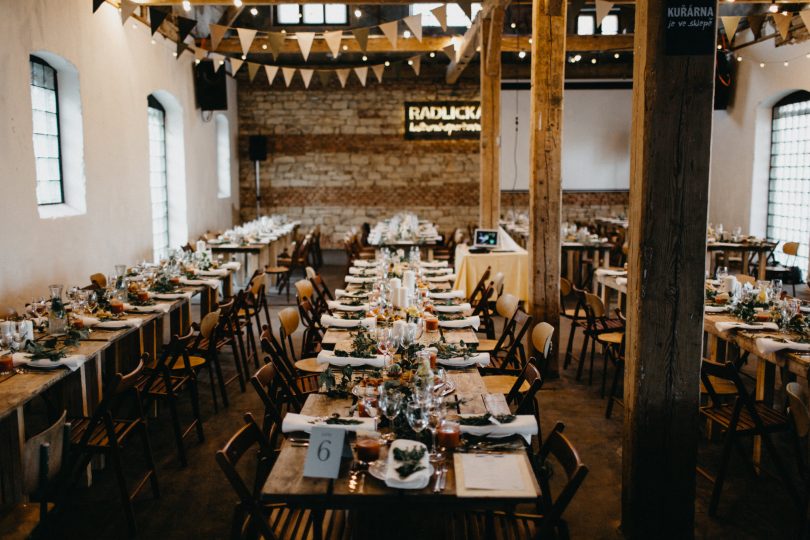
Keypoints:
(304, 288)
(565, 288)
(744, 278)
(311, 273)
(321, 288)
(799, 407)
(269, 387)
(790, 248)
(481, 286)
(541, 338)
(558, 446)
(525, 402)
(506, 305)
(594, 305)
(256, 285)
(44, 454)
(99, 280)
(522, 322)
(498, 284)
(290, 321)
(209, 323)
(728, 372)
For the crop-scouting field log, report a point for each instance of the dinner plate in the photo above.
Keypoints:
(43, 364)
(377, 469)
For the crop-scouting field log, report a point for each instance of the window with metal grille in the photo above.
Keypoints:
(47, 147)
(223, 157)
(789, 183)
(456, 18)
(312, 14)
(158, 180)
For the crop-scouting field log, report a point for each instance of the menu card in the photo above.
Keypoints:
(494, 475)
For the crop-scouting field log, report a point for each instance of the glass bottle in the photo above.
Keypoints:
(423, 381)
(57, 315)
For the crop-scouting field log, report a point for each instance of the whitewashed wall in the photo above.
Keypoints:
(118, 67)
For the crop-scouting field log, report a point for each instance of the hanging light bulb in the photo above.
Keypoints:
(522, 55)
(244, 57)
(513, 25)
(186, 5)
(345, 47)
(773, 8)
(237, 3)
(254, 11)
(762, 64)
(387, 63)
(786, 63)
(432, 54)
(406, 34)
(593, 60)
(616, 56)
(358, 13)
(739, 59)
(410, 62)
(365, 58)
(264, 46)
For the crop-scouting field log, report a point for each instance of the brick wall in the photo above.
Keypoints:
(577, 206)
(337, 158)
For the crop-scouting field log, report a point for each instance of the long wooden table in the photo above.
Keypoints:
(743, 248)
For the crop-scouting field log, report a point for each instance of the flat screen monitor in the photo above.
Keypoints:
(486, 238)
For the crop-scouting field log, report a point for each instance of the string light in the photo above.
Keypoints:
(410, 62)
(244, 57)
(406, 34)
(432, 54)
(773, 8)
(739, 59)
(522, 54)
(237, 3)
(153, 42)
(264, 46)
(283, 31)
(254, 11)
(358, 13)
(616, 56)
(513, 25)
(345, 47)
(387, 63)
(186, 5)
(762, 64)
(593, 60)
(174, 54)
(786, 63)
(365, 58)
(135, 26)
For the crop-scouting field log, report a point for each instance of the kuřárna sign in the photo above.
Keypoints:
(442, 120)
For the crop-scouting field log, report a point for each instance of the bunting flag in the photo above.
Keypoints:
(217, 33)
(441, 15)
(603, 7)
(391, 32)
(466, 7)
(755, 22)
(271, 73)
(219, 61)
(236, 63)
(305, 40)
(343, 76)
(200, 54)
(333, 41)
(127, 9)
(730, 26)
(415, 62)
(288, 73)
(253, 69)
(323, 76)
(414, 22)
(97, 4)
(450, 51)
(246, 36)
(378, 71)
(276, 43)
(306, 74)
(805, 15)
(782, 23)
(362, 74)
(361, 35)
(181, 48)
(156, 17)
(184, 27)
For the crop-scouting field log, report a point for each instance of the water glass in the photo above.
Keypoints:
(721, 273)
(776, 288)
(417, 416)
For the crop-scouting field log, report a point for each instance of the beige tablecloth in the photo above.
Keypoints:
(514, 265)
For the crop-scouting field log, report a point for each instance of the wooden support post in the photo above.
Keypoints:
(545, 164)
(669, 184)
(490, 196)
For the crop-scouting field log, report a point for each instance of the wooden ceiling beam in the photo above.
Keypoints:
(391, 2)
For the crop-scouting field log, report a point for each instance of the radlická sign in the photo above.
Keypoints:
(442, 120)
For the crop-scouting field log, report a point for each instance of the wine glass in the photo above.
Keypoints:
(435, 412)
(416, 415)
(721, 273)
(371, 408)
(92, 302)
(390, 405)
(776, 289)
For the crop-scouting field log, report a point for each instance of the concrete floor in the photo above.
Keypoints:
(196, 501)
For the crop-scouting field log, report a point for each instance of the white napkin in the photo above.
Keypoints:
(328, 357)
(768, 345)
(132, 322)
(438, 271)
(725, 326)
(232, 265)
(368, 263)
(417, 480)
(346, 307)
(213, 283)
(171, 296)
(433, 264)
(157, 308)
(715, 309)
(214, 272)
(460, 308)
(524, 425)
(481, 359)
(621, 281)
(340, 293)
(610, 272)
(71, 361)
(300, 422)
(466, 322)
(448, 295)
(363, 271)
(328, 321)
(358, 279)
(441, 279)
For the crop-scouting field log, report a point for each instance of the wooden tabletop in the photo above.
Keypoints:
(287, 483)
(451, 335)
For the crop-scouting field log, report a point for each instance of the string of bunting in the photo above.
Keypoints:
(781, 23)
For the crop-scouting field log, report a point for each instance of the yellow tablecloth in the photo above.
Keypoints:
(514, 265)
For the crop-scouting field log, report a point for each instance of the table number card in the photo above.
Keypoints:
(327, 445)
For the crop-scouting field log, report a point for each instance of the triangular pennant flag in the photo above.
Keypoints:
(217, 33)
(219, 61)
(755, 22)
(378, 71)
(236, 63)
(415, 62)
(156, 17)
(305, 40)
(450, 51)
(603, 7)
(276, 43)
(200, 54)
(414, 22)
(271, 73)
(391, 32)
(306, 74)
(441, 15)
(253, 69)
(184, 27)
(97, 4)
(782, 23)
(181, 48)
(362, 74)
(805, 15)
(466, 7)
(332, 40)
(288, 73)
(323, 76)
(246, 36)
(730, 26)
(127, 9)
(343, 76)
(361, 35)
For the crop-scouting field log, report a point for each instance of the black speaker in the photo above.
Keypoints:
(257, 148)
(209, 86)
(723, 80)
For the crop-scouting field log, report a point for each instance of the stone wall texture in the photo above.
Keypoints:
(338, 157)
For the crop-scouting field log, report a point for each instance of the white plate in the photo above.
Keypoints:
(377, 469)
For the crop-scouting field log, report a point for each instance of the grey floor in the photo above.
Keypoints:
(196, 501)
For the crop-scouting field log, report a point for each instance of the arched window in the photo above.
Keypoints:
(47, 145)
(158, 178)
(789, 181)
(223, 157)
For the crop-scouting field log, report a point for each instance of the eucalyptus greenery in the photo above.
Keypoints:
(411, 459)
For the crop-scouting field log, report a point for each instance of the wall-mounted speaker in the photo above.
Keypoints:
(210, 87)
(257, 148)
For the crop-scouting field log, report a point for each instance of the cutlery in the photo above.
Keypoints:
(437, 476)
(443, 481)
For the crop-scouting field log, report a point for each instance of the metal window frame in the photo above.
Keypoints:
(301, 22)
(38, 60)
(153, 103)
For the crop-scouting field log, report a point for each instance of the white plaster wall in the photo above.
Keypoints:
(118, 67)
(741, 135)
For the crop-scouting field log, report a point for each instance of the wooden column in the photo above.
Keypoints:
(490, 200)
(670, 152)
(545, 164)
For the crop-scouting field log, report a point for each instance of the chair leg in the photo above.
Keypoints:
(178, 431)
(150, 461)
(569, 348)
(607, 353)
(213, 386)
(783, 472)
(593, 355)
(721, 473)
(221, 381)
(614, 388)
(195, 408)
(582, 355)
(123, 490)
